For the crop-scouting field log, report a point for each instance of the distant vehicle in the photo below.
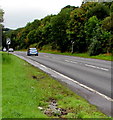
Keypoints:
(4, 49)
(11, 50)
(32, 51)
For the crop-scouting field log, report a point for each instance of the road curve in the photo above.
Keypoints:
(96, 74)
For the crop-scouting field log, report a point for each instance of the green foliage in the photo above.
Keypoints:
(59, 26)
(87, 26)
(47, 47)
(1, 15)
(100, 10)
(94, 48)
(111, 8)
(107, 23)
(89, 29)
(98, 40)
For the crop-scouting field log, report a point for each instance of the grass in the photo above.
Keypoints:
(25, 88)
(0, 85)
(108, 57)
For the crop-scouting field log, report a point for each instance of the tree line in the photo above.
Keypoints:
(1, 26)
(89, 27)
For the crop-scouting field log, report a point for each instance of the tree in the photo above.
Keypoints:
(89, 29)
(107, 23)
(31, 37)
(1, 15)
(75, 30)
(1, 26)
(59, 27)
(88, 26)
(99, 41)
(100, 11)
(34, 25)
(111, 8)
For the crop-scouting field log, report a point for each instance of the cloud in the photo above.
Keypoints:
(19, 12)
(19, 18)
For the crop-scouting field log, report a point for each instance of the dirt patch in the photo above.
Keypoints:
(54, 110)
(37, 78)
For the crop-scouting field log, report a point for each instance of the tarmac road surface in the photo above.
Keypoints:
(92, 73)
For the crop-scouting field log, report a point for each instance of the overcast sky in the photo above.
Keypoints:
(19, 12)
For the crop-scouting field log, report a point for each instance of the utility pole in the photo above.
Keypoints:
(72, 46)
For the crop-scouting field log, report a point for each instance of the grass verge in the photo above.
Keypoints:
(25, 88)
(0, 85)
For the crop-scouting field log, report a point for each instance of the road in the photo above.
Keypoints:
(93, 73)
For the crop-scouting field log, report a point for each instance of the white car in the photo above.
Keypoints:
(11, 50)
(4, 49)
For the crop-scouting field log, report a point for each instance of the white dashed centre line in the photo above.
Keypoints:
(70, 61)
(88, 65)
(96, 67)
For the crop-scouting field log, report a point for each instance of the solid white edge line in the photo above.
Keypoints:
(84, 86)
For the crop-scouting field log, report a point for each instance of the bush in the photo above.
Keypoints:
(94, 48)
(47, 47)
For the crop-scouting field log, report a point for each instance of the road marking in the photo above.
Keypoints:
(70, 61)
(89, 65)
(42, 65)
(100, 68)
(84, 86)
(46, 56)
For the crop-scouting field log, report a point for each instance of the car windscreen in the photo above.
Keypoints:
(33, 50)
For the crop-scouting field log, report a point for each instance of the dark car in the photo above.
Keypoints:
(32, 51)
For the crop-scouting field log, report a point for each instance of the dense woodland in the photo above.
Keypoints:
(89, 27)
